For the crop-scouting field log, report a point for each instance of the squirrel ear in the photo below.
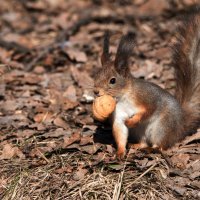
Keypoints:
(105, 57)
(124, 51)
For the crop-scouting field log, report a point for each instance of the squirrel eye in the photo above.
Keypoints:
(112, 80)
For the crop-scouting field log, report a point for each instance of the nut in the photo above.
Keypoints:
(103, 106)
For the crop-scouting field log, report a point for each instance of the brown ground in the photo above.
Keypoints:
(50, 146)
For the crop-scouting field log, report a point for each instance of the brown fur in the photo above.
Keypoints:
(140, 145)
(134, 120)
(187, 71)
(157, 118)
(146, 109)
(105, 57)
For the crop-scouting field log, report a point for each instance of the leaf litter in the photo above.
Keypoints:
(49, 141)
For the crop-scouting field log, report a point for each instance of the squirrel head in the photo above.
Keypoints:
(114, 76)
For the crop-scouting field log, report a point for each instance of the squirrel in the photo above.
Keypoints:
(156, 118)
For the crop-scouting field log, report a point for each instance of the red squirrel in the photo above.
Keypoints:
(157, 118)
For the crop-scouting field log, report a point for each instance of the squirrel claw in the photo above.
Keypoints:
(120, 154)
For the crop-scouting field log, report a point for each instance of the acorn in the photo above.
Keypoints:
(103, 106)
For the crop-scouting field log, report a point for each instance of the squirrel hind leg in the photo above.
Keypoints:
(164, 132)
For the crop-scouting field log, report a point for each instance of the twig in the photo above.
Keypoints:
(118, 186)
(43, 156)
(139, 177)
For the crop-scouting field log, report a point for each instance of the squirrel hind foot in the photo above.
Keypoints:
(141, 145)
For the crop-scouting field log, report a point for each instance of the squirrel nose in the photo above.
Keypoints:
(96, 92)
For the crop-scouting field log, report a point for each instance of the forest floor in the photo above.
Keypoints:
(50, 145)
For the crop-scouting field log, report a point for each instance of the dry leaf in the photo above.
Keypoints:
(43, 117)
(180, 160)
(9, 152)
(70, 140)
(75, 54)
(192, 138)
(82, 78)
(61, 123)
(70, 93)
(80, 174)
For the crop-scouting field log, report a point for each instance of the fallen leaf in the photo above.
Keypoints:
(67, 104)
(82, 78)
(86, 140)
(61, 123)
(75, 137)
(75, 54)
(43, 117)
(180, 160)
(91, 149)
(10, 105)
(70, 93)
(116, 167)
(67, 169)
(40, 152)
(109, 148)
(180, 190)
(192, 138)
(59, 132)
(9, 152)
(153, 8)
(195, 175)
(80, 174)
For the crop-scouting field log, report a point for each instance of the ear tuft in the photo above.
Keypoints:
(124, 51)
(105, 57)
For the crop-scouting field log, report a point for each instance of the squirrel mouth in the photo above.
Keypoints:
(116, 99)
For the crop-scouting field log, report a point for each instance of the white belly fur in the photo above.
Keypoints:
(124, 110)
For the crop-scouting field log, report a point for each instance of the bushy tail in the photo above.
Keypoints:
(187, 71)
